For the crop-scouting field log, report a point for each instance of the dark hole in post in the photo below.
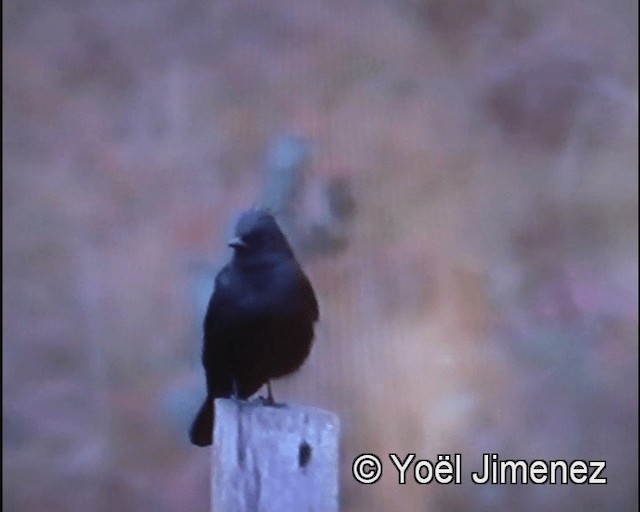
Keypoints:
(304, 454)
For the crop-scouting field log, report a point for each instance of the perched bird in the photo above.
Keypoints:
(259, 322)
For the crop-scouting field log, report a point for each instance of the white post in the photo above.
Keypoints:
(274, 459)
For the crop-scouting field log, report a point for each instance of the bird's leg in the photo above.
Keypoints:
(235, 393)
(269, 400)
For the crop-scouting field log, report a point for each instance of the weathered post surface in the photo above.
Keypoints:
(274, 459)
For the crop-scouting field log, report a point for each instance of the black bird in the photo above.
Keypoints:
(259, 322)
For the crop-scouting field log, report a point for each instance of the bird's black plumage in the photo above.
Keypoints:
(259, 322)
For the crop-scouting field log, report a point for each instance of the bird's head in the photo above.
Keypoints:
(257, 236)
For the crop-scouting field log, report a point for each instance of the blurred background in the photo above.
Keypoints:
(458, 177)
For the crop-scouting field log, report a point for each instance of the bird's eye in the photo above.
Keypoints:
(252, 238)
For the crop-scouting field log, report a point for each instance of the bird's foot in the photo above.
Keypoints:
(269, 401)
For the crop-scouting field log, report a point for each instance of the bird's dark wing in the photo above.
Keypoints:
(215, 349)
(226, 301)
(217, 299)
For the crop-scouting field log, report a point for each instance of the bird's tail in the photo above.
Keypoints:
(201, 432)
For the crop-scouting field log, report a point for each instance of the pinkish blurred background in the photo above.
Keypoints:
(459, 178)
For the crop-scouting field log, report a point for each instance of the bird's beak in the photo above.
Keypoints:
(237, 243)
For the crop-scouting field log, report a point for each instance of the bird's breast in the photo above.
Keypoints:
(274, 290)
